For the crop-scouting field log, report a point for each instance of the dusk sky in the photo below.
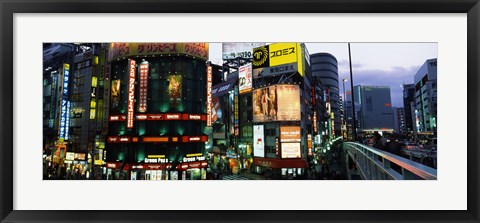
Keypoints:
(374, 64)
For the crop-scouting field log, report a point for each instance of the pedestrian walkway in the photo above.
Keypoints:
(234, 177)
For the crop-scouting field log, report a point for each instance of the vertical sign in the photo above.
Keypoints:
(245, 78)
(67, 121)
(131, 92)
(235, 108)
(64, 110)
(142, 105)
(258, 141)
(309, 144)
(209, 95)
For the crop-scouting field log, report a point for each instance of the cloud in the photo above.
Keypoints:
(393, 78)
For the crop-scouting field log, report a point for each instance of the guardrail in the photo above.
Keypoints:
(375, 164)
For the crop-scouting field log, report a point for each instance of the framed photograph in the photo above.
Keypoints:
(243, 111)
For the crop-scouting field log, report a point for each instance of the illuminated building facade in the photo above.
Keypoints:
(158, 111)
(426, 97)
(282, 110)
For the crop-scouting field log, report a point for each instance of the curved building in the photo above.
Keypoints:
(325, 68)
(157, 111)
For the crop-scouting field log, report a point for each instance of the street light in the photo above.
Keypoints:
(345, 106)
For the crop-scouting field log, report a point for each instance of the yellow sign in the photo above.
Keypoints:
(124, 50)
(278, 54)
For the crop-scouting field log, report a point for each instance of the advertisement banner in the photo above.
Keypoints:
(276, 103)
(142, 104)
(63, 132)
(278, 54)
(245, 78)
(209, 95)
(258, 141)
(276, 70)
(115, 88)
(288, 102)
(291, 150)
(289, 133)
(236, 50)
(175, 90)
(123, 50)
(131, 92)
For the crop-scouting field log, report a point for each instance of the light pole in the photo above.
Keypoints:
(354, 128)
(345, 119)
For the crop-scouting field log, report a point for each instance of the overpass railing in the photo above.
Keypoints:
(375, 164)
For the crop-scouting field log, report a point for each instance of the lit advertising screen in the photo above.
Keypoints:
(209, 95)
(115, 89)
(245, 78)
(142, 104)
(276, 103)
(259, 141)
(235, 50)
(291, 150)
(175, 90)
(290, 133)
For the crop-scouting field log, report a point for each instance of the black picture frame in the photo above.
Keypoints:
(10, 7)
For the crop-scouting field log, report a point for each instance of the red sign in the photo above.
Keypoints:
(131, 93)
(172, 117)
(155, 117)
(142, 104)
(117, 118)
(280, 163)
(194, 138)
(209, 95)
(141, 117)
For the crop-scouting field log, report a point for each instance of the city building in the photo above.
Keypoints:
(399, 120)
(57, 60)
(325, 67)
(375, 108)
(409, 108)
(282, 110)
(426, 98)
(160, 101)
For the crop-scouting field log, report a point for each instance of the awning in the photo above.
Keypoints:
(224, 87)
(280, 163)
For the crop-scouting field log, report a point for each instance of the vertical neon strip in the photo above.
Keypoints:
(142, 106)
(209, 95)
(63, 117)
(131, 93)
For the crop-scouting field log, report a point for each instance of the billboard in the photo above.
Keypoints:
(258, 141)
(115, 89)
(235, 50)
(245, 78)
(131, 92)
(122, 50)
(289, 133)
(278, 55)
(291, 150)
(175, 90)
(276, 103)
(142, 104)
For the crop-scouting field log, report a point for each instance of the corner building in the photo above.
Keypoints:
(157, 114)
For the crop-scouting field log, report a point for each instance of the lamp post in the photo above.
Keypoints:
(345, 119)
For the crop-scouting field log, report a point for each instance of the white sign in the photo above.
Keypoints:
(259, 141)
(291, 150)
(235, 50)
(245, 78)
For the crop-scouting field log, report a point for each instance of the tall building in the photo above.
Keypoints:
(375, 108)
(325, 67)
(282, 110)
(409, 107)
(426, 97)
(57, 60)
(158, 114)
(399, 120)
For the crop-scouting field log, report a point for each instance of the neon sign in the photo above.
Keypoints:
(131, 93)
(209, 95)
